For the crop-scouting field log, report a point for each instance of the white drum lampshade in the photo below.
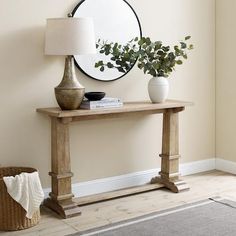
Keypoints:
(69, 36)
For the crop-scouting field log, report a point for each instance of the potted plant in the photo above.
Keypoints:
(153, 58)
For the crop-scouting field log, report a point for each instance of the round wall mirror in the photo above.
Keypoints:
(114, 21)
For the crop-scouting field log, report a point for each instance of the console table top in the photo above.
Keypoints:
(128, 107)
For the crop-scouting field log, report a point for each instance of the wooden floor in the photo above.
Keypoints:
(202, 186)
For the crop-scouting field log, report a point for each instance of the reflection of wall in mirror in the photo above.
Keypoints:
(114, 21)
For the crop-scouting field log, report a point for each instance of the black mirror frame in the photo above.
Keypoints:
(140, 29)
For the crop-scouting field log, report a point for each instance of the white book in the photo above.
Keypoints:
(91, 106)
(103, 101)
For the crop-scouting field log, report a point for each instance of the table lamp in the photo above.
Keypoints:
(69, 36)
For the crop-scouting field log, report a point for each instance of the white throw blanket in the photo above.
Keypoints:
(26, 189)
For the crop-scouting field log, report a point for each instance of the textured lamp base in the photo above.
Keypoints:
(69, 93)
(69, 99)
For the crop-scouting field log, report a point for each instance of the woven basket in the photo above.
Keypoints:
(12, 215)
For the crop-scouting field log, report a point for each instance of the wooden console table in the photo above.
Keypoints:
(61, 196)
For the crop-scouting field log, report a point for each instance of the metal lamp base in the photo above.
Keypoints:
(69, 93)
(69, 99)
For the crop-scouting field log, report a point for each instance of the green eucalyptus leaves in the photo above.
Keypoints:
(153, 58)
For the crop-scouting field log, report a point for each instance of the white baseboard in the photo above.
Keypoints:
(134, 179)
(197, 166)
(226, 166)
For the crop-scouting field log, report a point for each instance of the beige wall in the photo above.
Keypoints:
(106, 147)
(226, 80)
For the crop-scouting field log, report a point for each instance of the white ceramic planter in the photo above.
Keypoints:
(158, 89)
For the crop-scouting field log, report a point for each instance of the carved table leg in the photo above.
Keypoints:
(169, 174)
(61, 196)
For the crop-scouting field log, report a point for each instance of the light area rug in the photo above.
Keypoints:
(211, 217)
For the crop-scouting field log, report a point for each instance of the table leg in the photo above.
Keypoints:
(169, 174)
(61, 196)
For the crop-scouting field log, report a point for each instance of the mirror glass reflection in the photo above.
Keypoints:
(114, 21)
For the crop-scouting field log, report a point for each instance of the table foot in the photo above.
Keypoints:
(175, 186)
(65, 209)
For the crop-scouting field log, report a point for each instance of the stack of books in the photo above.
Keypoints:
(107, 102)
